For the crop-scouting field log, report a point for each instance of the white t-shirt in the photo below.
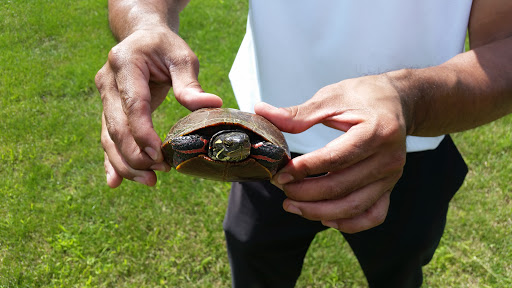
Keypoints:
(292, 48)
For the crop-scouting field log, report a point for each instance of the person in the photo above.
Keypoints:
(388, 81)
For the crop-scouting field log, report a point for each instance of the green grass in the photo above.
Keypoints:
(61, 226)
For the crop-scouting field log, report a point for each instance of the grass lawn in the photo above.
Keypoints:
(61, 226)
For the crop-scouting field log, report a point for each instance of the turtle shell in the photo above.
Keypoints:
(208, 121)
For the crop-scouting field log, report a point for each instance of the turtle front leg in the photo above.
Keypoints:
(187, 147)
(268, 155)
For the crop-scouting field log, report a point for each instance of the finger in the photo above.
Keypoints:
(194, 99)
(373, 217)
(350, 206)
(184, 70)
(298, 118)
(339, 154)
(116, 123)
(339, 183)
(132, 83)
(357, 144)
(120, 167)
(113, 178)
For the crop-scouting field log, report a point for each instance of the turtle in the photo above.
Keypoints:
(226, 144)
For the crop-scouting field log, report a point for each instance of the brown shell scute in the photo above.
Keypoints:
(219, 118)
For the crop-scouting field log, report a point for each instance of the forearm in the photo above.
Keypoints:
(127, 16)
(467, 91)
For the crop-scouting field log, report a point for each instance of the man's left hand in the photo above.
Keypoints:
(362, 165)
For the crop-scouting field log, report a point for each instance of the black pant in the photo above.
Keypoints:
(266, 245)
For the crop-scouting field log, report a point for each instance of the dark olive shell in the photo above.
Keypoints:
(214, 119)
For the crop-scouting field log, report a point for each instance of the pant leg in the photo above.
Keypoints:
(392, 254)
(266, 245)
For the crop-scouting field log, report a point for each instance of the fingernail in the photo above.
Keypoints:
(284, 178)
(293, 209)
(141, 180)
(160, 167)
(331, 224)
(152, 153)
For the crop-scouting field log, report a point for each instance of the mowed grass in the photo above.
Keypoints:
(61, 226)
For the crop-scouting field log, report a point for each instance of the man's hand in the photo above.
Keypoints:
(135, 80)
(362, 165)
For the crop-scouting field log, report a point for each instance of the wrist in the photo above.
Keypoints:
(401, 82)
(126, 19)
(419, 91)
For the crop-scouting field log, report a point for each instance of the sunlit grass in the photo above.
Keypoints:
(61, 226)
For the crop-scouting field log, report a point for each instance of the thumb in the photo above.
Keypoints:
(186, 87)
(294, 119)
(193, 97)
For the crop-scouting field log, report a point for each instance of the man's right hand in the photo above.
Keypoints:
(138, 74)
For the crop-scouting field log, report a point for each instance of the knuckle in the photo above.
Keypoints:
(302, 169)
(334, 191)
(183, 59)
(105, 140)
(397, 176)
(335, 160)
(390, 129)
(303, 112)
(294, 111)
(392, 169)
(355, 208)
(327, 91)
(183, 94)
(395, 163)
(133, 105)
(377, 216)
(98, 79)
(398, 159)
(112, 132)
(296, 191)
(116, 56)
(129, 102)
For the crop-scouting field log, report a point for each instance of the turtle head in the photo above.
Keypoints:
(230, 146)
